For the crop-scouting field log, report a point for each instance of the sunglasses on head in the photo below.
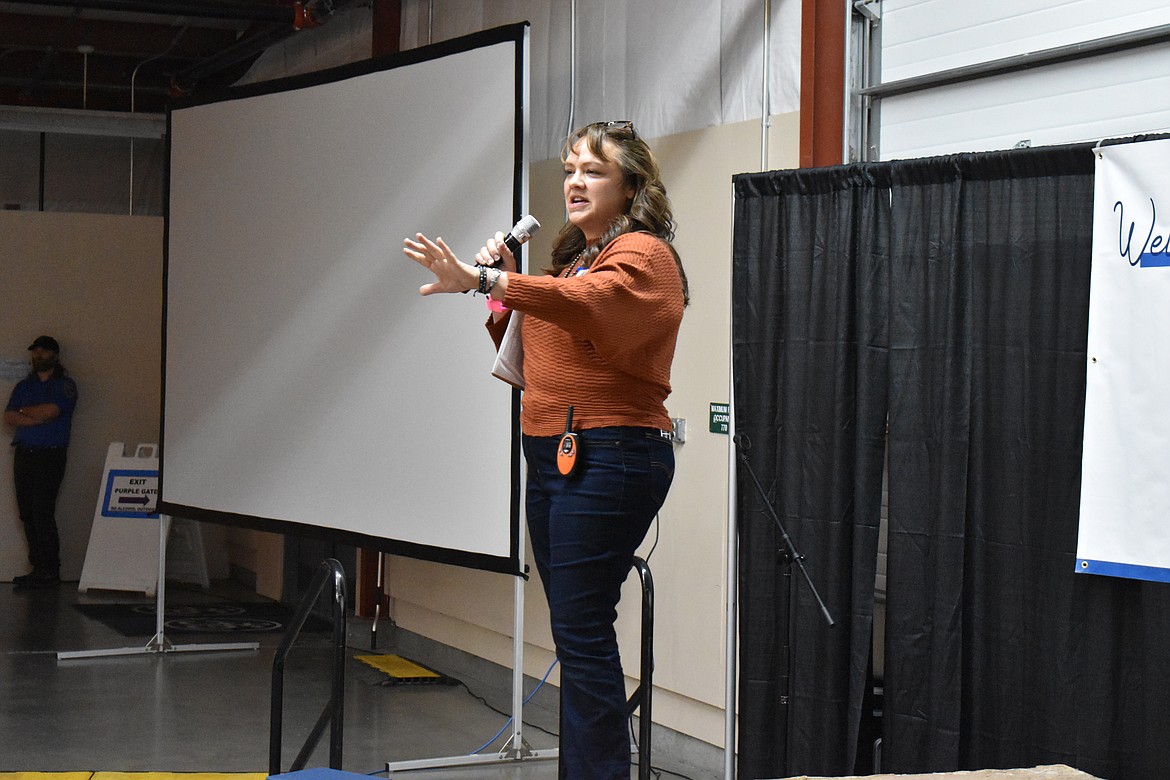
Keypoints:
(620, 125)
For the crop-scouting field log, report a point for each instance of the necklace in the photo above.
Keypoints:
(574, 266)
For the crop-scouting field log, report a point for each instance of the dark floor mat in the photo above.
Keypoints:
(220, 618)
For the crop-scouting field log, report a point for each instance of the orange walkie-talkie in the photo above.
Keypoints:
(567, 448)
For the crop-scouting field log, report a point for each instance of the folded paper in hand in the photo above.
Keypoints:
(509, 364)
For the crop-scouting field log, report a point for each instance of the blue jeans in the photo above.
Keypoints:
(584, 530)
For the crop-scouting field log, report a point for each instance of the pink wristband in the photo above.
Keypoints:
(496, 306)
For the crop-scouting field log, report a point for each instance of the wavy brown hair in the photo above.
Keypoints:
(648, 211)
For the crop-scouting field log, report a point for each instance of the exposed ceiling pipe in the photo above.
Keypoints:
(318, 12)
(242, 50)
(133, 78)
(152, 58)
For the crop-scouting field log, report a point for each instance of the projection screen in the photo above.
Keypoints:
(307, 386)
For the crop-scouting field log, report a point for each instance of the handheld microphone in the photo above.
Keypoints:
(518, 235)
(521, 232)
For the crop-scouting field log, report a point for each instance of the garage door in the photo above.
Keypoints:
(961, 76)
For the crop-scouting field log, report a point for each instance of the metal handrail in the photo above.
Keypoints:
(640, 699)
(335, 707)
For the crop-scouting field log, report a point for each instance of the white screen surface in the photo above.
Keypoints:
(305, 379)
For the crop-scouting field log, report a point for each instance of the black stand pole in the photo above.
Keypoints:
(787, 555)
(743, 444)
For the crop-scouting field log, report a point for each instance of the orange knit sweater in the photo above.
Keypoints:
(602, 342)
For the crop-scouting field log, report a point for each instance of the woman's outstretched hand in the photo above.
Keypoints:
(450, 274)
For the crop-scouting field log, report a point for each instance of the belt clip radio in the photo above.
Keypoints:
(568, 448)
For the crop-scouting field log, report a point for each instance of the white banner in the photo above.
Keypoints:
(1125, 495)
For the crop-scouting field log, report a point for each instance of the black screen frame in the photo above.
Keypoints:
(509, 564)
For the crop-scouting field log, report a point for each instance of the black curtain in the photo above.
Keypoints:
(809, 344)
(952, 295)
(997, 653)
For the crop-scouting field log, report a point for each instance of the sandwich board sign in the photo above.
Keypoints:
(124, 543)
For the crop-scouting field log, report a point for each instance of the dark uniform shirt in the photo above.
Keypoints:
(32, 391)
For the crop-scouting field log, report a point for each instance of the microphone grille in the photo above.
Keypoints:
(527, 226)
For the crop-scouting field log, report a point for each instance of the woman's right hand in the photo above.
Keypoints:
(496, 254)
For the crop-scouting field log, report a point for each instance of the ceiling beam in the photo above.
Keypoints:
(206, 9)
(110, 38)
(118, 124)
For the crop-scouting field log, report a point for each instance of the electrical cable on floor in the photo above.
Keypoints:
(657, 771)
(484, 701)
(509, 721)
(498, 711)
(654, 770)
(454, 681)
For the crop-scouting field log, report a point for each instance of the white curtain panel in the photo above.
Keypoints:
(669, 65)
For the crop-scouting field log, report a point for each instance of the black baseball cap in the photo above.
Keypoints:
(45, 342)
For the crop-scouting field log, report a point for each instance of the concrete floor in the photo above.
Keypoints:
(210, 711)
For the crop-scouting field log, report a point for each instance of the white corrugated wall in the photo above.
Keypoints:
(1109, 95)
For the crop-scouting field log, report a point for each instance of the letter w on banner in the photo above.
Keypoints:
(1125, 489)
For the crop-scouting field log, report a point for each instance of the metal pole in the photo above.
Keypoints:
(732, 602)
(41, 177)
(159, 642)
(85, 50)
(847, 96)
(572, 67)
(764, 105)
(644, 696)
(381, 588)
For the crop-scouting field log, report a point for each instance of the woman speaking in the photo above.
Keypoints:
(598, 339)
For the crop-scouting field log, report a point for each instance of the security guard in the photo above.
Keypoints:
(41, 410)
